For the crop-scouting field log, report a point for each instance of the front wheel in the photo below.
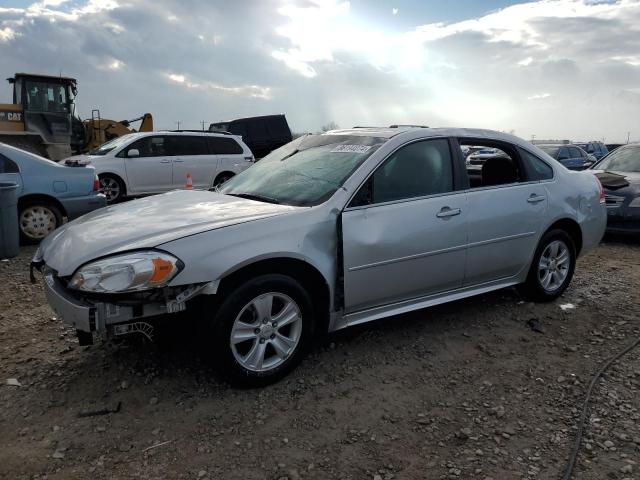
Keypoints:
(262, 330)
(552, 267)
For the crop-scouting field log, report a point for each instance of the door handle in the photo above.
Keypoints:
(536, 198)
(177, 160)
(448, 212)
(165, 161)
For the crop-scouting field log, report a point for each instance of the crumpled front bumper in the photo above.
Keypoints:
(98, 316)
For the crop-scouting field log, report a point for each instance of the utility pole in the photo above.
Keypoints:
(178, 124)
(202, 123)
(628, 135)
(533, 137)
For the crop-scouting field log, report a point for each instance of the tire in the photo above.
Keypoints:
(222, 178)
(36, 219)
(263, 352)
(113, 187)
(556, 250)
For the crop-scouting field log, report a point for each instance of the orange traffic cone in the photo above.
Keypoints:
(189, 185)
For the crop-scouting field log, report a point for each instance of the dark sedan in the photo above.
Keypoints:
(619, 173)
(571, 156)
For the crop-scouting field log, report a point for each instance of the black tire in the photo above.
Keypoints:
(219, 328)
(113, 187)
(36, 216)
(533, 288)
(222, 178)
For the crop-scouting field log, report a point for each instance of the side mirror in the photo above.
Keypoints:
(133, 153)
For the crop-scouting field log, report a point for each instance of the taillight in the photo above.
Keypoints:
(96, 183)
(602, 196)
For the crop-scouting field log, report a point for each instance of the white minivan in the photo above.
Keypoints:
(156, 162)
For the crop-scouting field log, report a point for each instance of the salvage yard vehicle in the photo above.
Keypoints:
(156, 162)
(47, 191)
(571, 156)
(262, 134)
(619, 173)
(595, 148)
(327, 232)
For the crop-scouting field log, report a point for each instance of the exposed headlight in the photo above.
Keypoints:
(129, 272)
(635, 202)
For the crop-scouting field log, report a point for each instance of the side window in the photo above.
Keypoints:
(536, 168)
(491, 164)
(563, 154)
(147, 147)
(416, 170)
(574, 152)
(224, 146)
(184, 145)
(8, 166)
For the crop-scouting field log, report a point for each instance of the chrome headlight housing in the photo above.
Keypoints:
(129, 272)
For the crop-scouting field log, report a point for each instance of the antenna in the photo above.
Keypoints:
(178, 124)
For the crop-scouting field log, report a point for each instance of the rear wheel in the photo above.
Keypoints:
(552, 267)
(38, 219)
(262, 330)
(112, 187)
(222, 178)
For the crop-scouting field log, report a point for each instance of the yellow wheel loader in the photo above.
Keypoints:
(42, 119)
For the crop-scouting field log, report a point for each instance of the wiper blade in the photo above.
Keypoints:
(259, 198)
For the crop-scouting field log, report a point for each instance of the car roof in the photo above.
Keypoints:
(426, 132)
(196, 133)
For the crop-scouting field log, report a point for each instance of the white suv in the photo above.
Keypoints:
(155, 162)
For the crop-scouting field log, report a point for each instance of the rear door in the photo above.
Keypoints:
(231, 158)
(404, 232)
(151, 170)
(505, 215)
(190, 155)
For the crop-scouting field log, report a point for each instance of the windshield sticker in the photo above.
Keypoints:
(351, 149)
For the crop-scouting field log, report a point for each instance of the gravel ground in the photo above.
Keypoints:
(464, 390)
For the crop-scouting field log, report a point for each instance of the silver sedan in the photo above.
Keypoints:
(326, 232)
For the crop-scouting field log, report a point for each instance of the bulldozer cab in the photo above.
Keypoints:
(40, 119)
(44, 94)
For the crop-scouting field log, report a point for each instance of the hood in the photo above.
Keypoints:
(617, 180)
(147, 223)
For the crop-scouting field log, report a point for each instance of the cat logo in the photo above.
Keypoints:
(11, 116)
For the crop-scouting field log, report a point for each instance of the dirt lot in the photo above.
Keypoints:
(465, 390)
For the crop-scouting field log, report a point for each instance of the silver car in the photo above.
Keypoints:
(326, 232)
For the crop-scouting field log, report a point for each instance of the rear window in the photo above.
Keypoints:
(185, 145)
(224, 146)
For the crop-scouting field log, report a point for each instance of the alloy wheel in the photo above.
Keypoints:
(110, 188)
(554, 265)
(266, 332)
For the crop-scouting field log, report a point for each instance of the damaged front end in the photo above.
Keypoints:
(114, 314)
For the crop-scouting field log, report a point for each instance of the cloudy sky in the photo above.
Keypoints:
(550, 68)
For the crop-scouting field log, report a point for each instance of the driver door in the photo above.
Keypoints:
(404, 232)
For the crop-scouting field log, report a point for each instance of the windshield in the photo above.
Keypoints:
(110, 145)
(46, 97)
(549, 150)
(623, 159)
(306, 171)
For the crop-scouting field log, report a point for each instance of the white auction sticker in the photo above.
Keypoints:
(351, 149)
